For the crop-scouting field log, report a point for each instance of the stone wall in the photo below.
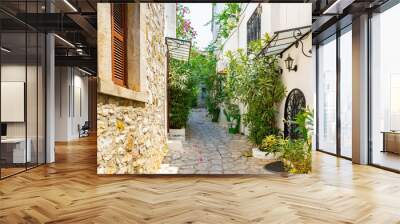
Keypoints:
(131, 136)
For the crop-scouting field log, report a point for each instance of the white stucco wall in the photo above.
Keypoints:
(303, 78)
(170, 19)
(276, 17)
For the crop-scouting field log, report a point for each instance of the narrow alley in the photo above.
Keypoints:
(209, 149)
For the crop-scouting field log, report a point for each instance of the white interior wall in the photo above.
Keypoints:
(15, 73)
(70, 84)
(33, 127)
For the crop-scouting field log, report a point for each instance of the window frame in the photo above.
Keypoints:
(254, 26)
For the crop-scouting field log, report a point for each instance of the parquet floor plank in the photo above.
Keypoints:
(69, 191)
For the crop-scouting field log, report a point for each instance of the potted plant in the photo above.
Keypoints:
(297, 153)
(232, 114)
(180, 89)
(272, 146)
(296, 156)
(257, 82)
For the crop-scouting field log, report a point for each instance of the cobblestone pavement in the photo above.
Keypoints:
(209, 149)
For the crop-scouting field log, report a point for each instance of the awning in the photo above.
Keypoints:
(178, 49)
(283, 40)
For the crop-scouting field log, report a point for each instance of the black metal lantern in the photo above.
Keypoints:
(289, 64)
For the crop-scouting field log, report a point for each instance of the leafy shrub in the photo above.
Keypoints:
(214, 98)
(232, 114)
(304, 121)
(296, 154)
(227, 20)
(256, 81)
(273, 144)
(181, 93)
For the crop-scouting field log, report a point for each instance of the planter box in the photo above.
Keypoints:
(257, 153)
(177, 134)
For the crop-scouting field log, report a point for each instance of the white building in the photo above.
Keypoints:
(272, 18)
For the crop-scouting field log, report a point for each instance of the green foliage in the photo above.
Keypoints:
(202, 64)
(304, 121)
(232, 114)
(295, 153)
(226, 20)
(214, 95)
(213, 84)
(296, 156)
(181, 93)
(256, 81)
(184, 81)
(272, 144)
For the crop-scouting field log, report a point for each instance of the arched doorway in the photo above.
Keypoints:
(295, 102)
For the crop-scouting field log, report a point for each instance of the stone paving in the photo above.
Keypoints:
(209, 149)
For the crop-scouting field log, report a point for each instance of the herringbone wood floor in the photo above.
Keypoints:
(69, 191)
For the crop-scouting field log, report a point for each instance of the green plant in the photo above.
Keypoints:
(297, 153)
(212, 104)
(183, 86)
(214, 98)
(294, 153)
(227, 19)
(304, 121)
(180, 89)
(296, 156)
(232, 114)
(273, 144)
(256, 81)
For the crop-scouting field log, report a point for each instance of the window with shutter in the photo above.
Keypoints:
(118, 26)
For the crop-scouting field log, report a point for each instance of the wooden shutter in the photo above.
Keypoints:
(118, 32)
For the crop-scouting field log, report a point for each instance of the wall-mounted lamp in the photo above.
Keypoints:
(289, 64)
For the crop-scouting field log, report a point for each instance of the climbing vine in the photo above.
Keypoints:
(227, 20)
